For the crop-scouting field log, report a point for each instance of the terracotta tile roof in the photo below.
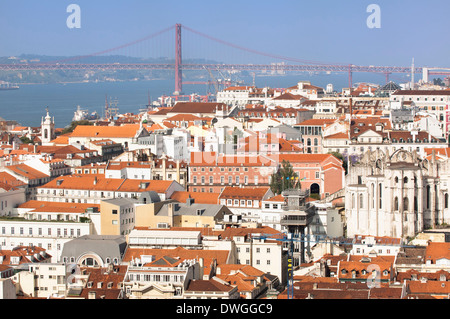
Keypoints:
(196, 107)
(289, 96)
(436, 251)
(183, 117)
(360, 267)
(161, 111)
(375, 259)
(277, 198)
(413, 274)
(26, 255)
(8, 179)
(44, 206)
(27, 171)
(316, 122)
(124, 131)
(429, 287)
(110, 282)
(386, 293)
(245, 269)
(231, 192)
(62, 139)
(118, 165)
(133, 185)
(441, 151)
(221, 256)
(208, 285)
(381, 240)
(337, 136)
(96, 182)
(199, 197)
(247, 232)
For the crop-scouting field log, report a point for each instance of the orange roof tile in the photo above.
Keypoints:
(244, 193)
(27, 171)
(124, 131)
(436, 251)
(199, 197)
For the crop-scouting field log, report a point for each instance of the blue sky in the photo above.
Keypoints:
(327, 31)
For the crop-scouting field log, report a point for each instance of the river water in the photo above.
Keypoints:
(27, 105)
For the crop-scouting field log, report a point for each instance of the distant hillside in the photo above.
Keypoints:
(60, 76)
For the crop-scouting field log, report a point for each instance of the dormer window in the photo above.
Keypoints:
(15, 260)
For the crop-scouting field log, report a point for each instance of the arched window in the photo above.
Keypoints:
(90, 262)
(353, 201)
(380, 189)
(396, 179)
(428, 196)
(405, 204)
(405, 180)
(316, 142)
(446, 200)
(361, 203)
(373, 195)
(396, 203)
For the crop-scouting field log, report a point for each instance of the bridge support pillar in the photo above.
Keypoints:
(178, 71)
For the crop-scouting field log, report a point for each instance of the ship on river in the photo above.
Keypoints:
(83, 115)
(8, 86)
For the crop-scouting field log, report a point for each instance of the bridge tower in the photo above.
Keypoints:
(178, 71)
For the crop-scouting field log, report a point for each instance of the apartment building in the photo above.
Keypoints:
(48, 225)
(93, 188)
(43, 280)
(430, 101)
(266, 255)
(245, 202)
(211, 172)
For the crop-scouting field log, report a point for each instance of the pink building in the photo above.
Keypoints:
(209, 172)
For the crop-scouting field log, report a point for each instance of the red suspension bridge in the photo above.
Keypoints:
(298, 65)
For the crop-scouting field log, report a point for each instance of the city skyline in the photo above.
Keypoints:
(327, 32)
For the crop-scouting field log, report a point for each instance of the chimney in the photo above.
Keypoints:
(189, 201)
(170, 211)
(202, 264)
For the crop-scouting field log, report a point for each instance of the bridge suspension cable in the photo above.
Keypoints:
(148, 37)
(279, 57)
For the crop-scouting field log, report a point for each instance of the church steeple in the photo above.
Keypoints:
(47, 128)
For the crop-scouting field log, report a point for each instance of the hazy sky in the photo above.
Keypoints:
(327, 31)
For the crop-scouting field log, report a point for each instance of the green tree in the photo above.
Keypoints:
(284, 178)
(342, 158)
(73, 125)
(25, 140)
